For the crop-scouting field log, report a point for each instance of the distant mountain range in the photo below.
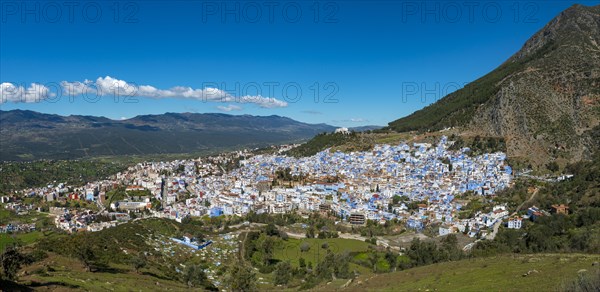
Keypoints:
(29, 135)
(544, 100)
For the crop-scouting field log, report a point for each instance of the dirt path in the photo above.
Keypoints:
(526, 201)
(496, 226)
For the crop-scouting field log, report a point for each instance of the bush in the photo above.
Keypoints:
(38, 255)
(553, 166)
(283, 273)
(382, 266)
(194, 276)
(304, 247)
(587, 281)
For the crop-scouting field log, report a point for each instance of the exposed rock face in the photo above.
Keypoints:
(549, 106)
(544, 100)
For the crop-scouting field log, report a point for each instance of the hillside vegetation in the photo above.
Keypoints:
(541, 272)
(28, 135)
(321, 142)
(544, 101)
(21, 175)
(355, 141)
(458, 108)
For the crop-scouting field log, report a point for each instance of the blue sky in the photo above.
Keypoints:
(376, 60)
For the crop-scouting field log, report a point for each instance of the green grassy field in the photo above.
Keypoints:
(24, 238)
(5, 215)
(502, 273)
(63, 274)
(291, 249)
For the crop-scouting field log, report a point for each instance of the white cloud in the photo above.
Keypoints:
(111, 86)
(16, 93)
(231, 107)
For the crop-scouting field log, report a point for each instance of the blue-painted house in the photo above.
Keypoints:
(216, 211)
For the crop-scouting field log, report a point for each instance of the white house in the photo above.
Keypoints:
(445, 229)
(342, 130)
(515, 223)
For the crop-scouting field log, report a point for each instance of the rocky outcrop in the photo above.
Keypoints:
(549, 106)
(544, 100)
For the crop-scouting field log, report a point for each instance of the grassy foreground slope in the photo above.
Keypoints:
(60, 273)
(547, 272)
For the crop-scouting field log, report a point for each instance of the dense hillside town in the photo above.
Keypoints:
(416, 184)
(300, 146)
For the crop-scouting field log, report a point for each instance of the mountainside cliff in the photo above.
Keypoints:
(544, 100)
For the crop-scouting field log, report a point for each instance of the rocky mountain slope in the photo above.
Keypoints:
(27, 135)
(544, 100)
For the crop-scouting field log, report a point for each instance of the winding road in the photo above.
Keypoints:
(496, 226)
